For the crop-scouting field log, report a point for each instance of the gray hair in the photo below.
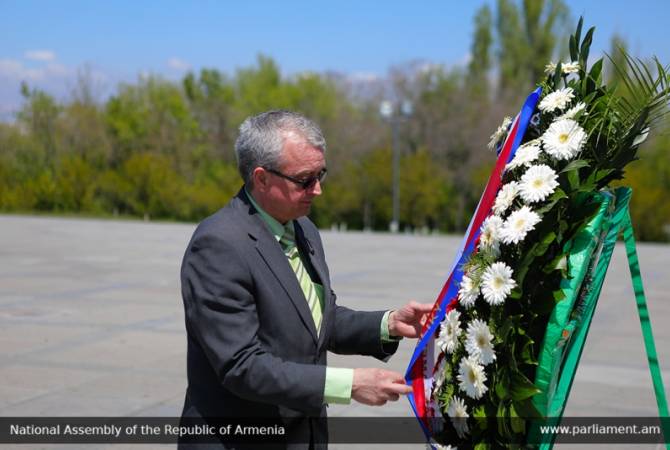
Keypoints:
(261, 139)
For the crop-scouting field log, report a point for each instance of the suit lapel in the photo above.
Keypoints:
(269, 249)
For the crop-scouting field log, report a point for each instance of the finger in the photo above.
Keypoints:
(423, 307)
(409, 331)
(400, 389)
(394, 377)
(393, 397)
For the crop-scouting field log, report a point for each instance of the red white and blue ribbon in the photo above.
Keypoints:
(422, 365)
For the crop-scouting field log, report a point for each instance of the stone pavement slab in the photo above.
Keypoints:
(91, 321)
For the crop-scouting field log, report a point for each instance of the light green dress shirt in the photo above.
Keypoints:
(339, 380)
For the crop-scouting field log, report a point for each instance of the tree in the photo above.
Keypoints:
(527, 40)
(153, 116)
(211, 98)
(480, 53)
(423, 186)
(39, 115)
(81, 128)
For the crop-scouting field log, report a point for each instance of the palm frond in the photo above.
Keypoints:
(648, 91)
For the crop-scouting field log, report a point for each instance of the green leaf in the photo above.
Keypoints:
(527, 353)
(573, 180)
(596, 71)
(501, 388)
(573, 49)
(511, 363)
(505, 329)
(578, 32)
(545, 243)
(521, 387)
(527, 409)
(558, 195)
(558, 295)
(518, 424)
(479, 411)
(502, 414)
(558, 263)
(575, 165)
(585, 48)
(557, 74)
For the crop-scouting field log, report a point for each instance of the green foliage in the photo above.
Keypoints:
(155, 135)
(74, 184)
(528, 36)
(341, 200)
(152, 116)
(39, 115)
(424, 190)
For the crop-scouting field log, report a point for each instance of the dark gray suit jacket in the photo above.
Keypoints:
(253, 349)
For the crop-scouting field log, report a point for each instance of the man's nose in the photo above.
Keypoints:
(316, 189)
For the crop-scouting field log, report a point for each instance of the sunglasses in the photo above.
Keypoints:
(305, 183)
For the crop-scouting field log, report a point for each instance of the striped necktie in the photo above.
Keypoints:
(308, 287)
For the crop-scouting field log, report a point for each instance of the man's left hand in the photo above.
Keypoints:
(408, 320)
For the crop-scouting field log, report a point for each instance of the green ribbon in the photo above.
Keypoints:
(591, 252)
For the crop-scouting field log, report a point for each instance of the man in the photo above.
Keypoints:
(260, 311)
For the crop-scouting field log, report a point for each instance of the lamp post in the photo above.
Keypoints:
(394, 116)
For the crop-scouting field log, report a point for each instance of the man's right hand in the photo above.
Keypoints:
(377, 386)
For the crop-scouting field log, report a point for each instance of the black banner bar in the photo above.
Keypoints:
(343, 430)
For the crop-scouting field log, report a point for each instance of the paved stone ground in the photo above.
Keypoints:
(91, 321)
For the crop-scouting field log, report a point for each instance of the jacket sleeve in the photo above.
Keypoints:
(359, 332)
(218, 293)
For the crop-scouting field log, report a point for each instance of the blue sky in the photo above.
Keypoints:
(47, 42)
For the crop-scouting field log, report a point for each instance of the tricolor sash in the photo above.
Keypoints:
(421, 368)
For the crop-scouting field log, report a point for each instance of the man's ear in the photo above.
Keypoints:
(260, 177)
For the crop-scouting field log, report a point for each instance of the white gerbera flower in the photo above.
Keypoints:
(469, 289)
(450, 330)
(525, 155)
(518, 224)
(459, 415)
(550, 68)
(497, 283)
(570, 67)
(505, 197)
(489, 239)
(500, 133)
(478, 342)
(572, 112)
(538, 183)
(557, 100)
(564, 139)
(566, 67)
(471, 378)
